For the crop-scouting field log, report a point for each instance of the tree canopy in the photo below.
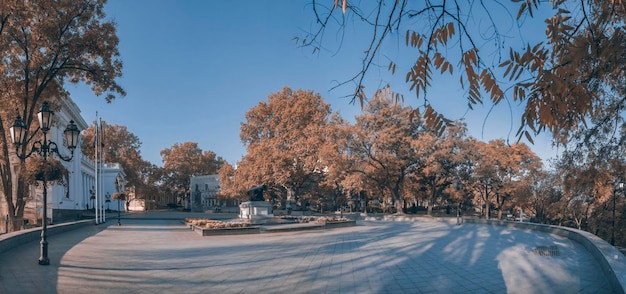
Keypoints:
(184, 160)
(310, 157)
(387, 147)
(285, 137)
(44, 44)
(120, 146)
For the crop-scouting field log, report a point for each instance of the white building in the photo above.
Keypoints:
(203, 190)
(112, 179)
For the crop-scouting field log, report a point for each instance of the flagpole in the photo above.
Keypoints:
(97, 205)
(104, 215)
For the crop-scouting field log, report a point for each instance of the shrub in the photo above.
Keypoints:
(206, 223)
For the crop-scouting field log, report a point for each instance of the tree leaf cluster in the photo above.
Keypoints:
(184, 160)
(120, 146)
(562, 76)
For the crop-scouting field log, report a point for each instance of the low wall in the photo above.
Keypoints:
(13, 239)
(67, 215)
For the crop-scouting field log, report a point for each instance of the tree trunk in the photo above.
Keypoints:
(487, 203)
(13, 189)
(487, 209)
(431, 199)
(396, 199)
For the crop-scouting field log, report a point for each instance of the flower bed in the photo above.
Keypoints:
(209, 227)
(317, 219)
(206, 223)
(332, 219)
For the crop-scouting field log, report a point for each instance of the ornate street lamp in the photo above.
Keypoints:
(619, 187)
(108, 196)
(43, 148)
(119, 195)
(92, 197)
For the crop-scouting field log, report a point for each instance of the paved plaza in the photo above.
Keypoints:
(152, 255)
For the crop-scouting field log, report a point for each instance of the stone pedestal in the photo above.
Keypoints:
(255, 210)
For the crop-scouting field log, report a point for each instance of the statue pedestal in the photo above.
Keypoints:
(255, 211)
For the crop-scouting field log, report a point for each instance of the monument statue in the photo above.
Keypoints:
(256, 193)
(257, 210)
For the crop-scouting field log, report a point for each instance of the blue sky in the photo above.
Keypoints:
(192, 69)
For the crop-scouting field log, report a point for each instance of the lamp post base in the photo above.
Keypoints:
(43, 258)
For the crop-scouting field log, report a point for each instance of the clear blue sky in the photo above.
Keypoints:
(193, 68)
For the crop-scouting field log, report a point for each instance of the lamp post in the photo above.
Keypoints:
(458, 186)
(92, 197)
(43, 148)
(620, 186)
(120, 196)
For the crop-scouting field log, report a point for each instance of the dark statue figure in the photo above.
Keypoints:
(256, 193)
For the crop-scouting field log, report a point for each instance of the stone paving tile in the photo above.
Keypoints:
(162, 256)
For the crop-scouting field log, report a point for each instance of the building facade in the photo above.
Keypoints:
(203, 191)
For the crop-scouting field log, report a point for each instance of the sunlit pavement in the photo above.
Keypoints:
(152, 255)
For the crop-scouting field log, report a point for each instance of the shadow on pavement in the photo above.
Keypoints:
(22, 261)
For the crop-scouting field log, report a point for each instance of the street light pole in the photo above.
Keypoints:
(620, 186)
(44, 148)
(458, 186)
(119, 223)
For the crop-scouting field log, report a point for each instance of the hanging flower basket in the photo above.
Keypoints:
(119, 195)
(38, 169)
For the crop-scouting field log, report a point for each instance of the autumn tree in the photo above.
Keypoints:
(387, 147)
(546, 202)
(184, 160)
(43, 45)
(443, 155)
(230, 188)
(591, 171)
(341, 186)
(501, 171)
(527, 195)
(284, 137)
(560, 79)
(120, 146)
(516, 168)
